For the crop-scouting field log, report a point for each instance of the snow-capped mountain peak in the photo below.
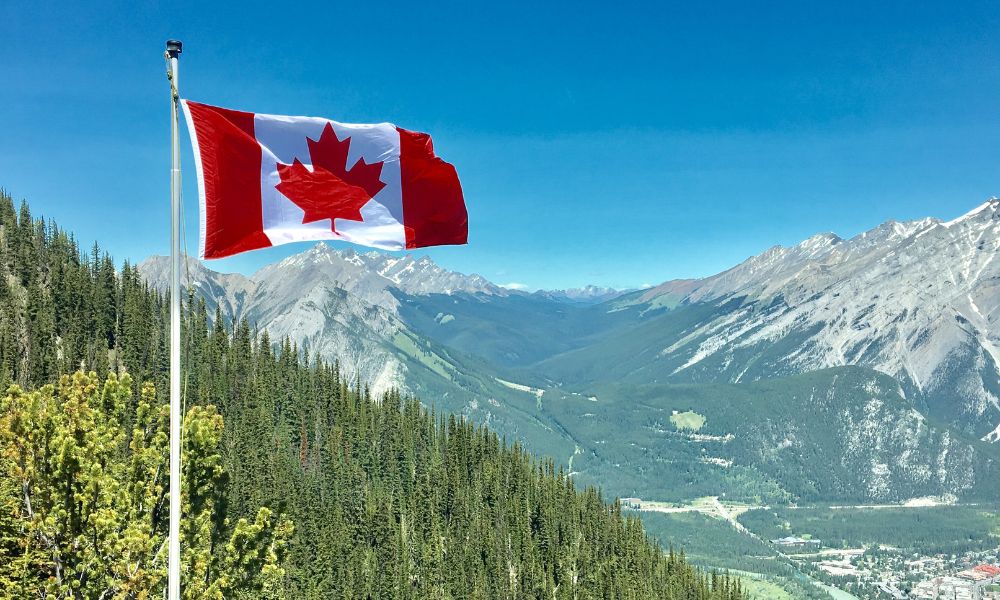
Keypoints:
(918, 300)
(337, 302)
(818, 244)
(588, 294)
(989, 210)
(372, 275)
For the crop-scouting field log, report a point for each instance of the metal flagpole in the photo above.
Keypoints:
(174, 543)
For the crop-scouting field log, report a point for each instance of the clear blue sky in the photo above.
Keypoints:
(608, 143)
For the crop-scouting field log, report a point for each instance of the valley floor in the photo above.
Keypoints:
(913, 549)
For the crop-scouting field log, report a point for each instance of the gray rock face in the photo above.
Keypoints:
(588, 294)
(336, 303)
(919, 301)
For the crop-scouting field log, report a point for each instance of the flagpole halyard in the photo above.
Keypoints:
(174, 546)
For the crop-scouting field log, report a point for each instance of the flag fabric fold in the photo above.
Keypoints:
(265, 180)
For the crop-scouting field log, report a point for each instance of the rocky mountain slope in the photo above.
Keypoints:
(588, 294)
(835, 434)
(915, 304)
(344, 305)
(335, 303)
(919, 301)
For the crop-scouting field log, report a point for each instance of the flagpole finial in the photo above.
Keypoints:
(174, 48)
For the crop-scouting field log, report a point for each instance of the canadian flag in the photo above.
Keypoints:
(265, 180)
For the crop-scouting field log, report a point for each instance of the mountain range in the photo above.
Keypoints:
(862, 368)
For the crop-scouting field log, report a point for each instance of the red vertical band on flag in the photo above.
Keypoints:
(433, 206)
(230, 157)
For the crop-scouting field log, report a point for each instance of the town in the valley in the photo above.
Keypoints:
(875, 570)
(884, 573)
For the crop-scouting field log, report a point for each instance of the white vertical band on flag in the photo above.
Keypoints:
(201, 179)
(283, 140)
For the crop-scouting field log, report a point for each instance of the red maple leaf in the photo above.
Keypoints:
(330, 190)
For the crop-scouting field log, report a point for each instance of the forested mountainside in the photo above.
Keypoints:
(917, 300)
(342, 305)
(382, 498)
(813, 328)
(830, 435)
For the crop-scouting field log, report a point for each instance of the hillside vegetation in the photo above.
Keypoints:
(362, 496)
(904, 382)
(818, 436)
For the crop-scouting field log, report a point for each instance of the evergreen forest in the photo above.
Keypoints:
(298, 482)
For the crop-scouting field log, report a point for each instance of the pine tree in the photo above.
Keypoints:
(90, 519)
(389, 499)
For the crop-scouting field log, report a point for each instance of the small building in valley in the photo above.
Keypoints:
(981, 573)
(795, 542)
